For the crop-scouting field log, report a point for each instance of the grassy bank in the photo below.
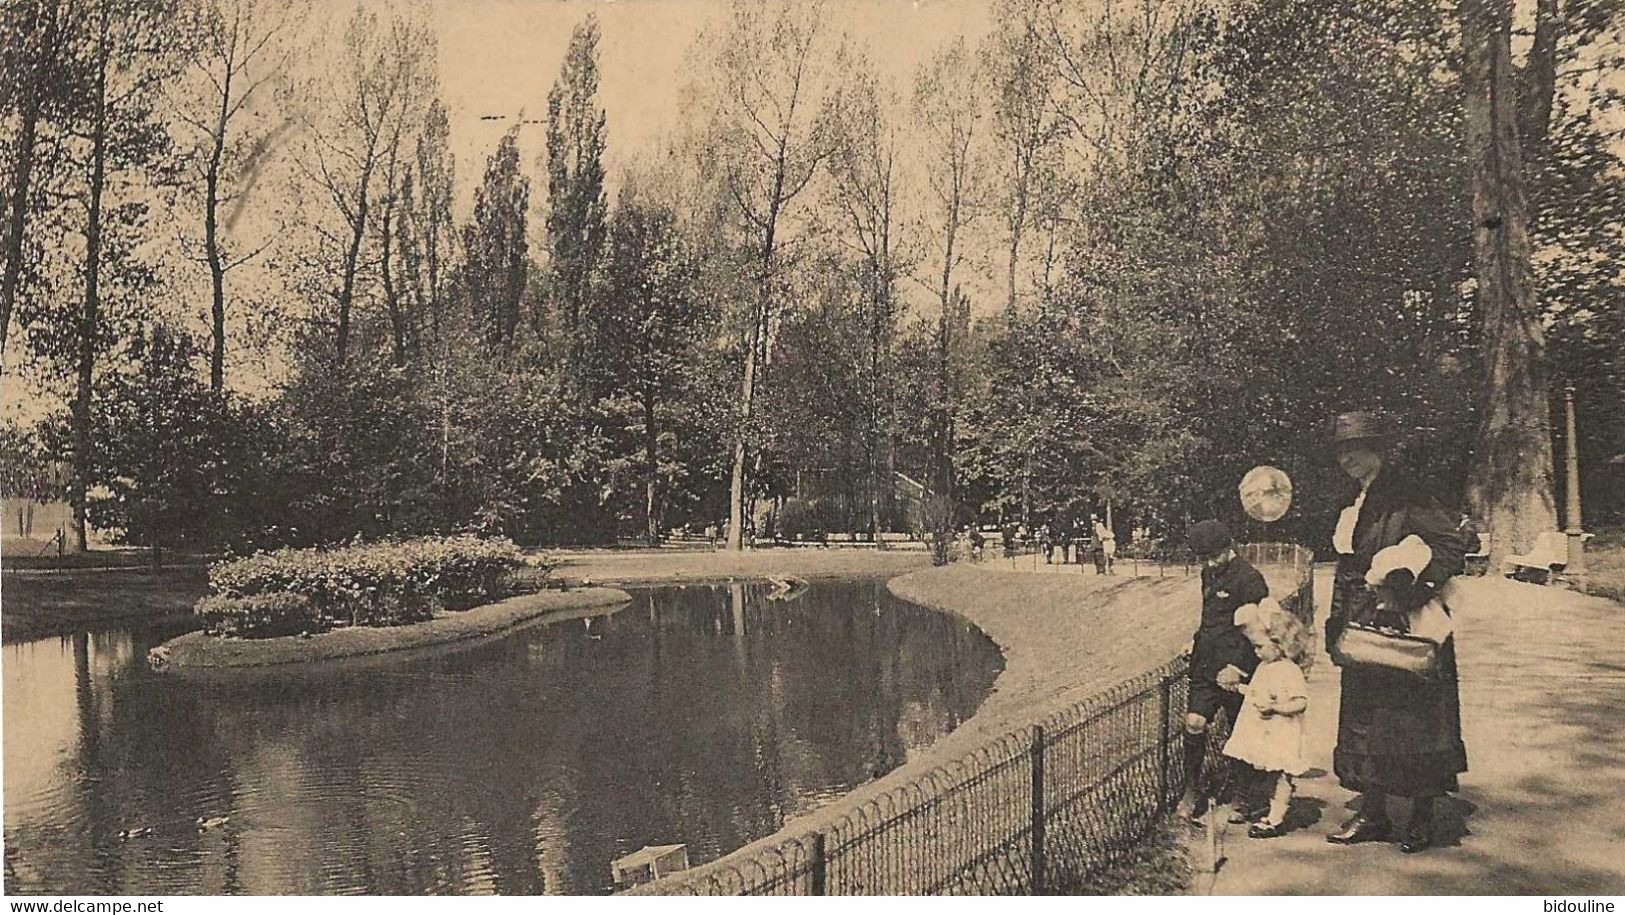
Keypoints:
(112, 587)
(687, 565)
(37, 604)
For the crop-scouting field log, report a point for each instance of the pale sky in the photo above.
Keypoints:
(498, 57)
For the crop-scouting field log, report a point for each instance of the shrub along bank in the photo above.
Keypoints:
(289, 591)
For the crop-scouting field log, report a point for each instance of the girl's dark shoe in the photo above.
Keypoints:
(1240, 815)
(1361, 829)
(1264, 829)
(1193, 810)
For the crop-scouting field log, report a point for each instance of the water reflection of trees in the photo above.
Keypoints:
(703, 715)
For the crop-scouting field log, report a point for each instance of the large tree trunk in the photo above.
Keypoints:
(17, 218)
(1511, 483)
(90, 318)
(23, 165)
(756, 348)
(747, 400)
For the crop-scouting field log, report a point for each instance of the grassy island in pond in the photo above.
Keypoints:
(290, 606)
(201, 651)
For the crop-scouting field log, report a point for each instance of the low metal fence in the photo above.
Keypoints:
(1038, 810)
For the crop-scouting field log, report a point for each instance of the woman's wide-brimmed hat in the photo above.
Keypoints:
(1360, 426)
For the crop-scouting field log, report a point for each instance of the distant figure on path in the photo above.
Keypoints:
(1046, 542)
(1063, 538)
(1221, 658)
(1098, 546)
(1108, 546)
(1397, 732)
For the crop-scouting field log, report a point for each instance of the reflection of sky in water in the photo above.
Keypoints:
(706, 715)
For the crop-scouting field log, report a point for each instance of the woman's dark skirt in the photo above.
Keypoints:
(1401, 733)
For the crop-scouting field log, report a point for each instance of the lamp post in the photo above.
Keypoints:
(1576, 569)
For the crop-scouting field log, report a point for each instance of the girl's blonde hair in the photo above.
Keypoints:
(1290, 635)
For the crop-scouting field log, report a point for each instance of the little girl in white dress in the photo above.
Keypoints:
(1268, 733)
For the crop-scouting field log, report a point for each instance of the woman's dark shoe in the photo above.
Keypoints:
(1361, 829)
(1418, 837)
(1264, 829)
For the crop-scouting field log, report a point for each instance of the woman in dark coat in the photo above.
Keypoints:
(1397, 733)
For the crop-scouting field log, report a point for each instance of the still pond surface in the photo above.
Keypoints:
(708, 715)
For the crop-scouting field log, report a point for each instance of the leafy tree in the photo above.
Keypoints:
(766, 143)
(353, 116)
(577, 205)
(1024, 75)
(132, 51)
(643, 334)
(26, 470)
(154, 465)
(46, 90)
(866, 192)
(816, 410)
(495, 245)
(950, 115)
(238, 47)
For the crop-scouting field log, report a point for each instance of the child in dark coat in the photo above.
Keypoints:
(1222, 657)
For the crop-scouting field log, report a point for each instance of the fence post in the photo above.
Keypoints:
(1162, 742)
(1038, 810)
(820, 873)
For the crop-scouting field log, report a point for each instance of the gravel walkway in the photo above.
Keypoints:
(1542, 807)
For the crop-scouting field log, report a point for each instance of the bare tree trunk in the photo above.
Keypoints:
(352, 258)
(755, 345)
(211, 245)
(878, 322)
(392, 292)
(651, 449)
(90, 317)
(1511, 482)
(736, 475)
(1018, 223)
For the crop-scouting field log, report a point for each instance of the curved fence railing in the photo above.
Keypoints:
(1041, 809)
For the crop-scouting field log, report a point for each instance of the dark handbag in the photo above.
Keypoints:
(1361, 645)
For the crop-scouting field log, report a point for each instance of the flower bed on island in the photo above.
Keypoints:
(290, 606)
(391, 583)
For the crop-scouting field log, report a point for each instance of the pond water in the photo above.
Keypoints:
(708, 715)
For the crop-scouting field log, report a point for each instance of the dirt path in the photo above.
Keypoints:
(1542, 807)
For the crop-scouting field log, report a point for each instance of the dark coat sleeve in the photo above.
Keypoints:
(1442, 533)
(1405, 509)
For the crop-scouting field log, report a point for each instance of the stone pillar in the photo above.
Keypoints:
(1575, 571)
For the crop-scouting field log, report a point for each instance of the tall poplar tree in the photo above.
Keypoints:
(577, 205)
